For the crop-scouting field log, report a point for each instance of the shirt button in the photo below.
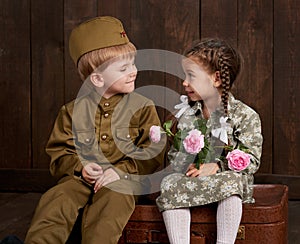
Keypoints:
(87, 140)
(106, 115)
(128, 136)
(104, 137)
(126, 177)
(106, 104)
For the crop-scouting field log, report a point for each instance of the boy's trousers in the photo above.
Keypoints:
(105, 215)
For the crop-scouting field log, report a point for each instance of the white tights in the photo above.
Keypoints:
(177, 222)
(229, 216)
(229, 213)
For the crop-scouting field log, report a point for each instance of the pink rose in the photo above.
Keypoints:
(238, 160)
(154, 134)
(194, 142)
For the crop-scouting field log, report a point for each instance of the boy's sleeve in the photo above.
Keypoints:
(61, 148)
(152, 152)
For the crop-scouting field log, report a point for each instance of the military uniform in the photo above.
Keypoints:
(114, 133)
(180, 191)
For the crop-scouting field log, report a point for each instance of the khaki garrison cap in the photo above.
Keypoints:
(94, 34)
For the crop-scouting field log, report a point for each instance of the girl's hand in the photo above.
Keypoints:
(107, 177)
(91, 172)
(204, 170)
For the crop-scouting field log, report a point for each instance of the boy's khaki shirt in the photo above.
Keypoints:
(112, 132)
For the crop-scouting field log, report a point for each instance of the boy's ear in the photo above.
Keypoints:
(97, 79)
(217, 79)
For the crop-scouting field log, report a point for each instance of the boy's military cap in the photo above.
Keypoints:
(100, 32)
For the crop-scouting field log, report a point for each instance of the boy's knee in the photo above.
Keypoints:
(69, 191)
(113, 198)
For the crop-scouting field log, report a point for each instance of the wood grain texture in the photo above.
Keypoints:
(219, 19)
(119, 9)
(146, 33)
(181, 29)
(15, 104)
(75, 12)
(25, 180)
(286, 87)
(255, 40)
(19, 209)
(47, 79)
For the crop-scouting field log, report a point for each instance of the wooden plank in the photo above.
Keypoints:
(293, 182)
(25, 180)
(146, 33)
(7, 197)
(119, 9)
(219, 19)
(146, 26)
(40, 180)
(255, 40)
(15, 129)
(181, 28)
(47, 73)
(17, 213)
(286, 87)
(294, 221)
(75, 12)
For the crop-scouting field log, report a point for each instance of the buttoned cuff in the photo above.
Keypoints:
(123, 175)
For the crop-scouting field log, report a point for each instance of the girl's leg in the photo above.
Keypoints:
(229, 215)
(57, 212)
(177, 222)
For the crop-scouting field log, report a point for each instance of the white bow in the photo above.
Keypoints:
(222, 131)
(182, 106)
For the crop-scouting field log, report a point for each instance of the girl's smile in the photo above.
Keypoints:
(200, 84)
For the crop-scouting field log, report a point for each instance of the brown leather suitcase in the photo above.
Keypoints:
(264, 222)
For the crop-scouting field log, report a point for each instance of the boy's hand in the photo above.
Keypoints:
(107, 177)
(204, 170)
(91, 172)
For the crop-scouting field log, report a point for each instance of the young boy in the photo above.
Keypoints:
(100, 142)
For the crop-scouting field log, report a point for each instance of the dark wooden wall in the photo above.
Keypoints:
(38, 76)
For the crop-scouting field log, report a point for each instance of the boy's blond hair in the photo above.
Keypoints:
(101, 58)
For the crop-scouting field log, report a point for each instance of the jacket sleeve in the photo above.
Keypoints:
(147, 156)
(249, 134)
(61, 148)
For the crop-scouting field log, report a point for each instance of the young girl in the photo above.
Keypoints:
(211, 66)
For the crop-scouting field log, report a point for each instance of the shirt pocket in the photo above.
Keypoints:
(85, 142)
(127, 139)
(126, 134)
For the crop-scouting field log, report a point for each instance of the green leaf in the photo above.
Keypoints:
(179, 138)
(200, 124)
(167, 126)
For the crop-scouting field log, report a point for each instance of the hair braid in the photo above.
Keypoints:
(218, 55)
(225, 78)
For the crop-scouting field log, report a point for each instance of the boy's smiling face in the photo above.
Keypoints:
(119, 77)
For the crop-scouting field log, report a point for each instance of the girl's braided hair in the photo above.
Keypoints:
(218, 55)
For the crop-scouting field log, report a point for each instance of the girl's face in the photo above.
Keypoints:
(119, 77)
(199, 84)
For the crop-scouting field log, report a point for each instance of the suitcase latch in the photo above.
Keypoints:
(241, 233)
